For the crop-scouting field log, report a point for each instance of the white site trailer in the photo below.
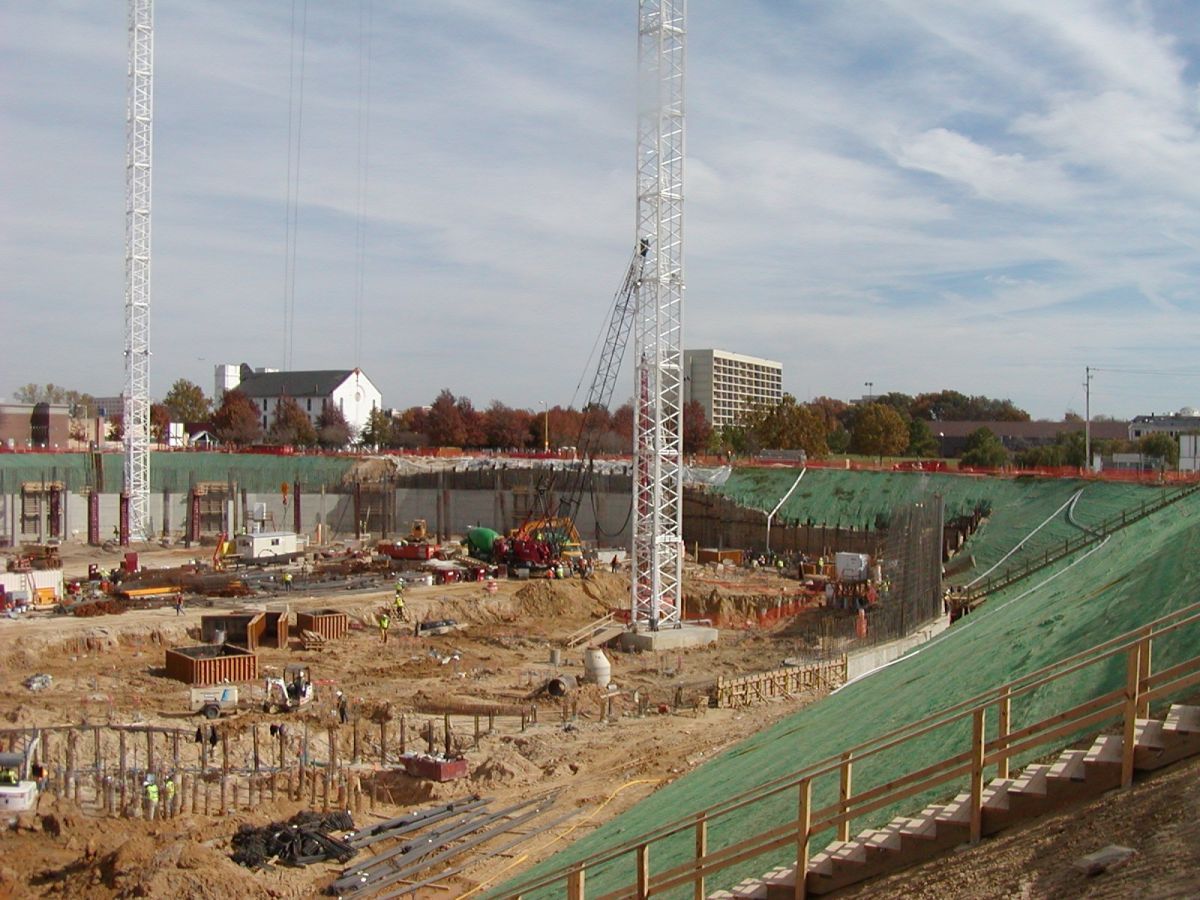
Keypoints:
(264, 547)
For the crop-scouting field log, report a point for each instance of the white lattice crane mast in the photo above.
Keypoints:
(138, 152)
(658, 326)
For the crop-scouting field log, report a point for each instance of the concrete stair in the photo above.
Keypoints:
(1038, 789)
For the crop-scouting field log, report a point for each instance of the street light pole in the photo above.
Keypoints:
(545, 427)
(870, 396)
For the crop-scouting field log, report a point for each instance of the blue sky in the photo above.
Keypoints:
(920, 194)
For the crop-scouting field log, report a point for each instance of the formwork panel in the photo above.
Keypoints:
(211, 664)
(242, 628)
(328, 623)
(277, 629)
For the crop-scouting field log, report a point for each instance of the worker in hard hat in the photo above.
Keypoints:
(8, 775)
(398, 603)
(169, 792)
(385, 623)
(151, 797)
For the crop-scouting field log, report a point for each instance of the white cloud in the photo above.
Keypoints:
(923, 194)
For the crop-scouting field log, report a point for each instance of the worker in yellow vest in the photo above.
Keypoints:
(384, 623)
(169, 791)
(151, 797)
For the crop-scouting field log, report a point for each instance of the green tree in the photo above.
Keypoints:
(921, 441)
(377, 429)
(786, 425)
(984, 450)
(1160, 446)
(291, 425)
(187, 403)
(333, 431)
(878, 431)
(238, 420)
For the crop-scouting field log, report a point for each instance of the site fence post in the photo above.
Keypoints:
(1004, 718)
(844, 793)
(803, 827)
(1133, 669)
(977, 747)
(124, 771)
(698, 892)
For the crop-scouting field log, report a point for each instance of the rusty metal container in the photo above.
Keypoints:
(328, 623)
(211, 664)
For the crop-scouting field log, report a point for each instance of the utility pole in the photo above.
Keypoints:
(869, 385)
(1087, 417)
(138, 153)
(658, 330)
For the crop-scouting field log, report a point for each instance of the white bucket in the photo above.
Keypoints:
(427, 580)
(596, 667)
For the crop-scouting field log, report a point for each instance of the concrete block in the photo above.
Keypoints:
(669, 638)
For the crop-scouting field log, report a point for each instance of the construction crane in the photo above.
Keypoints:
(656, 589)
(138, 154)
(556, 522)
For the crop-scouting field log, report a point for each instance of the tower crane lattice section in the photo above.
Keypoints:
(658, 322)
(138, 154)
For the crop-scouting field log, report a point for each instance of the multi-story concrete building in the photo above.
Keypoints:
(726, 384)
(1186, 421)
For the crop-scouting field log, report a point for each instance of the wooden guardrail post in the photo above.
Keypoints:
(803, 827)
(643, 871)
(1133, 671)
(844, 792)
(575, 882)
(977, 748)
(1143, 706)
(1004, 719)
(698, 892)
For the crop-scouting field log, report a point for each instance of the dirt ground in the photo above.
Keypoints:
(109, 669)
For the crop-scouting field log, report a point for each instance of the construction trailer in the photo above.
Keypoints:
(267, 547)
(33, 586)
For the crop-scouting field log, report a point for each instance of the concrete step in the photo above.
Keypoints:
(1031, 781)
(1160, 743)
(749, 889)
(1102, 762)
(1182, 719)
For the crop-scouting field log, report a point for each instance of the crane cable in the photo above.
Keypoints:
(364, 149)
(292, 203)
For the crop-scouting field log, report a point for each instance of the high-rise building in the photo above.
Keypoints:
(726, 384)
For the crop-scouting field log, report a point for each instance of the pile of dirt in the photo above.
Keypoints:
(571, 598)
(504, 766)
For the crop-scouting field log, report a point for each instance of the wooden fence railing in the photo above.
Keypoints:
(978, 752)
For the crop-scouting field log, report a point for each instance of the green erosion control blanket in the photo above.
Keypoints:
(1140, 574)
(173, 471)
(833, 497)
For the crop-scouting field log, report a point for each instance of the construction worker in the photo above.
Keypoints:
(343, 708)
(8, 776)
(384, 624)
(615, 562)
(151, 797)
(287, 581)
(169, 791)
(398, 603)
(179, 604)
